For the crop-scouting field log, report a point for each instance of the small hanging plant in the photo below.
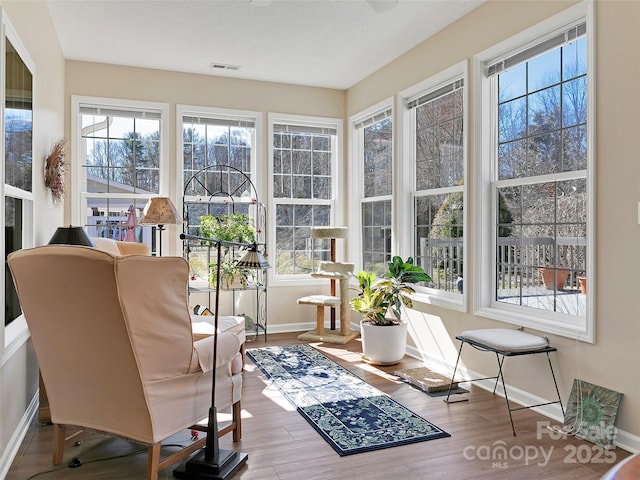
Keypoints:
(54, 170)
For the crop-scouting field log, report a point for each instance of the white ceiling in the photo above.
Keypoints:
(323, 43)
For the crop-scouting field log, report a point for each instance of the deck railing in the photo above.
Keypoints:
(519, 260)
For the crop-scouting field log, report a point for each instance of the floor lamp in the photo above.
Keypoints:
(211, 462)
(160, 211)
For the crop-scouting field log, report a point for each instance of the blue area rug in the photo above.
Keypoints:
(350, 414)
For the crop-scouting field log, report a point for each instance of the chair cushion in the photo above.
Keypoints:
(505, 339)
(202, 325)
(106, 245)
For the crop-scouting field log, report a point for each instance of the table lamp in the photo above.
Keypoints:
(160, 211)
(71, 236)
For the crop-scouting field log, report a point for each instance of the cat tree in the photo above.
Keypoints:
(335, 272)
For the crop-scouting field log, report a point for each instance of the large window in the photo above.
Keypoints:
(373, 155)
(218, 155)
(120, 160)
(303, 191)
(537, 171)
(436, 126)
(18, 161)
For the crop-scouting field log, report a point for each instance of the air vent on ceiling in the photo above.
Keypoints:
(224, 66)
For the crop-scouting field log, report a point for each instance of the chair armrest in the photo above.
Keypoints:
(228, 348)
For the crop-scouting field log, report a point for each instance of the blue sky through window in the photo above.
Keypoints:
(544, 70)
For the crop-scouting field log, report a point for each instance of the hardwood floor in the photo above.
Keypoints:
(282, 446)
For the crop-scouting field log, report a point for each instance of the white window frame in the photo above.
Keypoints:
(337, 189)
(16, 333)
(78, 175)
(581, 328)
(357, 174)
(220, 113)
(451, 300)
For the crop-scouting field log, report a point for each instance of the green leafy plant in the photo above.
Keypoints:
(381, 300)
(230, 227)
(229, 273)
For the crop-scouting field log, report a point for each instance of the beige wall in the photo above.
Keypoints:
(612, 361)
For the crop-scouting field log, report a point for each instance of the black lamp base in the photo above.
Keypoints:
(199, 468)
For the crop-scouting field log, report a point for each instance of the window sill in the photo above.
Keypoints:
(561, 325)
(452, 303)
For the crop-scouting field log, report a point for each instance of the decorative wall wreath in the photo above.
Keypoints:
(54, 170)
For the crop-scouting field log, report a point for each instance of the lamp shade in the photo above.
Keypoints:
(160, 211)
(71, 236)
(253, 259)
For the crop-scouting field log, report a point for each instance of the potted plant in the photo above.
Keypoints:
(231, 227)
(552, 272)
(554, 279)
(380, 301)
(582, 282)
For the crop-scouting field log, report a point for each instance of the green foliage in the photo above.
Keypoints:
(231, 227)
(448, 222)
(377, 297)
(230, 272)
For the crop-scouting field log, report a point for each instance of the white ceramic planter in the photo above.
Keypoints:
(383, 345)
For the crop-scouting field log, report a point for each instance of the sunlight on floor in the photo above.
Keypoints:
(227, 417)
(270, 392)
(355, 358)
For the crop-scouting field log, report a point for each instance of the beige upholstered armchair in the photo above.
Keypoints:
(113, 337)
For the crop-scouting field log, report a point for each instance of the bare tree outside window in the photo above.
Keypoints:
(439, 197)
(541, 180)
(303, 156)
